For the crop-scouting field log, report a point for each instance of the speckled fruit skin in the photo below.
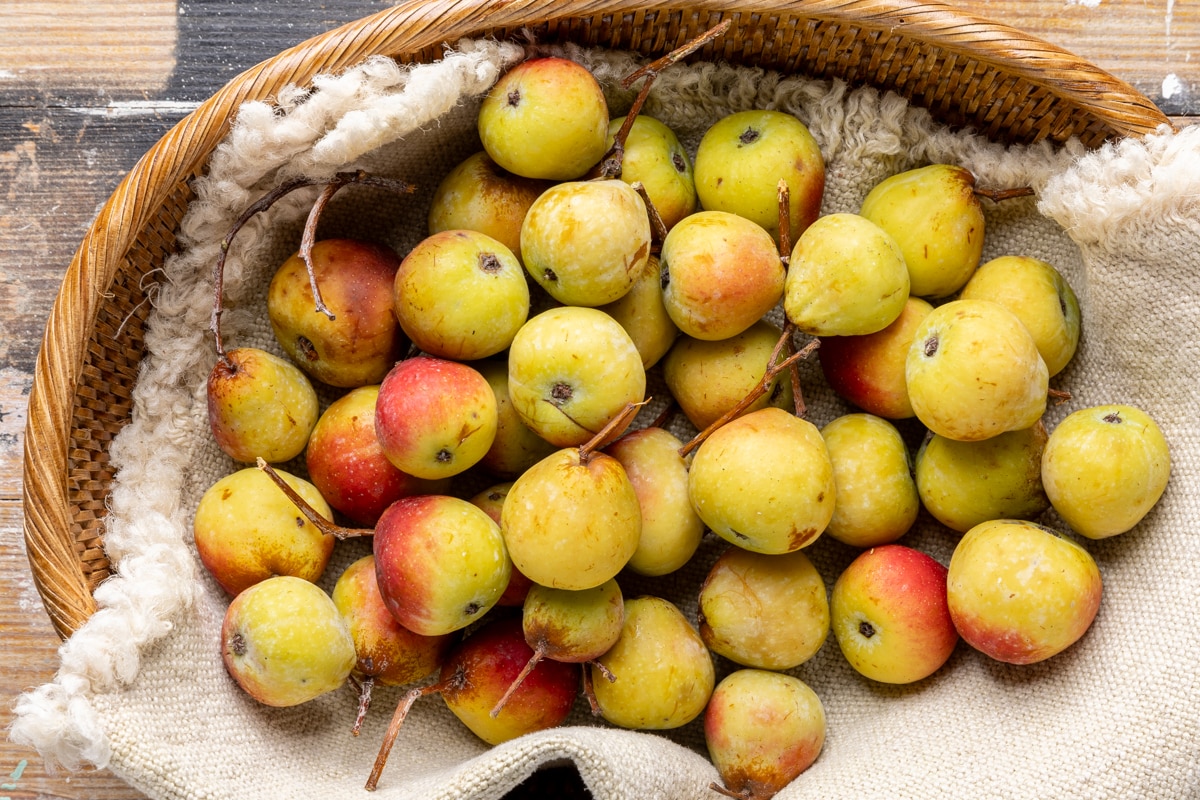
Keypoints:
(742, 157)
(655, 158)
(440, 563)
(965, 483)
(362, 341)
(664, 675)
(586, 242)
(386, 651)
(762, 729)
(933, 214)
(435, 418)
(247, 530)
(1104, 468)
(545, 118)
(973, 371)
(516, 447)
(721, 274)
(764, 482)
(480, 670)
(1020, 592)
(260, 406)
(764, 611)
(349, 468)
(284, 642)
(890, 614)
(877, 500)
(643, 315)
(868, 370)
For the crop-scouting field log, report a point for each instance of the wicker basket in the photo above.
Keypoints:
(967, 71)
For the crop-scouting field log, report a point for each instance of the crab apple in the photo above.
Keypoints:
(585, 242)
(790, 499)
(349, 468)
(361, 341)
(440, 562)
(491, 502)
(654, 157)
(477, 195)
(877, 500)
(1021, 592)
(973, 371)
(571, 370)
(545, 118)
(516, 447)
(643, 315)
(934, 215)
(742, 158)
(260, 406)
(868, 370)
(435, 418)
(890, 615)
(246, 530)
(1037, 293)
(285, 643)
(721, 274)
(762, 729)
(846, 277)
(1104, 468)
(461, 295)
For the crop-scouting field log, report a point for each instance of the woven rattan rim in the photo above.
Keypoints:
(968, 71)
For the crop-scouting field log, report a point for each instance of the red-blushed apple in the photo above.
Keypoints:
(1020, 592)
(868, 370)
(246, 530)
(347, 465)
(890, 615)
(440, 562)
(435, 418)
(478, 195)
(721, 274)
(361, 341)
(284, 642)
(762, 729)
(260, 406)
(545, 118)
(1104, 468)
(491, 501)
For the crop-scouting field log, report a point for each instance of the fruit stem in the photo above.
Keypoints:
(761, 388)
(678, 54)
(322, 524)
(657, 227)
(721, 790)
(533, 661)
(364, 703)
(393, 730)
(589, 692)
(610, 431)
(785, 221)
(1059, 396)
(998, 195)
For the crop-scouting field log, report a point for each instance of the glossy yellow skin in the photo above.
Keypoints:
(285, 643)
(663, 673)
(1104, 468)
(877, 498)
(973, 371)
(516, 446)
(965, 483)
(545, 118)
(643, 315)
(765, 611)
(933, 214)
(846, 277)
(655, 158)
(1020, 592)
(788, 501)
(260, 406)
(1039, 295)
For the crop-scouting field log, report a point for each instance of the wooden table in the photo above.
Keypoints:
(87, 87)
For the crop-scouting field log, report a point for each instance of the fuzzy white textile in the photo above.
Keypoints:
(142, 690)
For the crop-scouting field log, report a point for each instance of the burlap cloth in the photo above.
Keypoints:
(141, 687)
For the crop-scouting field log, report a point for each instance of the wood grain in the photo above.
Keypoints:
(86, 88)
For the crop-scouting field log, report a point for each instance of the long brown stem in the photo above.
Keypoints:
(364, 703)
(389, 738)
(1059, 396)
(529, 667)
(658, 228)
(784, 194)
(999, 195)
(315, 517)
(610, 431)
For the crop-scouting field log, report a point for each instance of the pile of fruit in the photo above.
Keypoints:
(486, 437)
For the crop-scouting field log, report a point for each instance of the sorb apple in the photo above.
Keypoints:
(260, 406)
(742, 158)
(1104, 468)
(285, 643)
(655, 158)
(1021, 592)
(435, 418)
(890, 614)
(516, 447)
(545, 118)
(643, 314)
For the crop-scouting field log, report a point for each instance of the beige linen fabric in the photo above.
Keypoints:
(142, 689)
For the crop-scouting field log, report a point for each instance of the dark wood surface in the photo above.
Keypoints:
(87, 87)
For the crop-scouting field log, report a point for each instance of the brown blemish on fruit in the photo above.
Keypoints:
(514, 97)
(930, 346)
(443, 456)
(550, 275)
(306, 348)
(561, 393)
(798, 539)
(749, 136)
(866, 629)
(678, 162)
(237, 644)
(489, 263)
(1113, 418)
(299, 522)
